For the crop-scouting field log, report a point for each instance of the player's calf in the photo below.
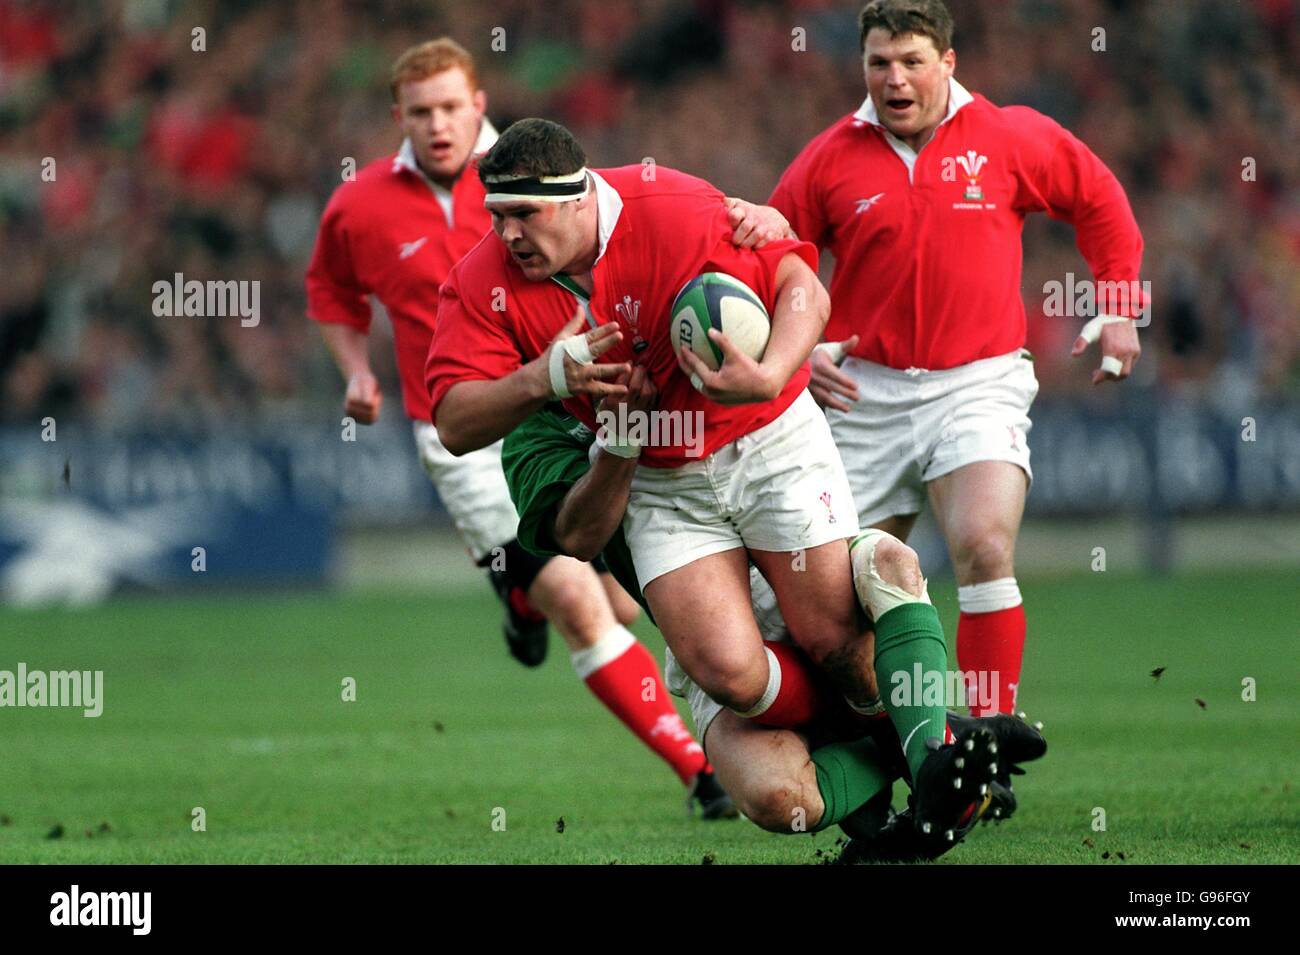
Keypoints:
(910, 649)
(626, 610)
(570, 593)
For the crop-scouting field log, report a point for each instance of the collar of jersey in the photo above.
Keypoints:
(405, 158)
(609, 208)
(958, 96)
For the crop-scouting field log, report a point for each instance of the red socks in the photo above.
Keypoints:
(796, 692)
(991, 643)
(625, 677)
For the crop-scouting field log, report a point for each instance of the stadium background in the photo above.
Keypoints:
(175, 433)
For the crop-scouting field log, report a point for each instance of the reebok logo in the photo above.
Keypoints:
(409, 249)
(865, 204)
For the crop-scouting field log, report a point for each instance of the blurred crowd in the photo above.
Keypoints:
(144, 138)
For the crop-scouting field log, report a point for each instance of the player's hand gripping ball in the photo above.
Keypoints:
(717, 300)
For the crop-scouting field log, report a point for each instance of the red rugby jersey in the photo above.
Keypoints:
(928, 256)
(387, 234)
(655, 237)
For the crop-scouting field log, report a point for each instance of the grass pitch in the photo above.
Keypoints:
(234, 704)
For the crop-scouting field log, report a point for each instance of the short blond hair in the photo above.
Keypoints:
(433, 56)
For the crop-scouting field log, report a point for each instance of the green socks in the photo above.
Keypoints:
(910, 654)
(848, 774)
(909, 647)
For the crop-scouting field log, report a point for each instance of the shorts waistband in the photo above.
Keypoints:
(926, 374)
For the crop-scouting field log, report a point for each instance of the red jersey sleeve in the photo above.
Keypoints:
(470, 339)
(757, 267)
(1064, 178)
(798, 197)
(334, 293)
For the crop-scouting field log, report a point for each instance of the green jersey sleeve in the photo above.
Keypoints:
(542, 459)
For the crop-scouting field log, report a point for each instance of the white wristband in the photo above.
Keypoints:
(622, 449)
(834, 350)
(575, 347)
(613, 434)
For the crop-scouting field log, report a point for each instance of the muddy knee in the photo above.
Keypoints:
(886, 573)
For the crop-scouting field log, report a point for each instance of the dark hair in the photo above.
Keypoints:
(533, 147)
(922, 17)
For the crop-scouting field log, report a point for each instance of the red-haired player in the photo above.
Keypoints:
(395, 233)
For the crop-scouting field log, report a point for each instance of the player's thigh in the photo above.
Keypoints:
(795, 511)
(674, 519)
(472, 488)
(703, 611)
(768, 772)
(814, 589)
(979, 508)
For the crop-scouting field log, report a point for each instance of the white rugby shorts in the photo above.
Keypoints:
(909, 427)
(473, 489)
(779, 488)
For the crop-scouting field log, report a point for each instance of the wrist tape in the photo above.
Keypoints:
(1091, 332)
(575, 347)
(834, 350)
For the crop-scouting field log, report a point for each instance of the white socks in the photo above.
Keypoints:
(1000, 594)
(607, 649)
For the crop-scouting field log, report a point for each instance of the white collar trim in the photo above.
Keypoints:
(405, 158)
(958, 96)
(609, 206)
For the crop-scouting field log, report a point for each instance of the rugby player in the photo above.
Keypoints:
(826, 767)
(921, 195)
(394, 233)
(767, 486)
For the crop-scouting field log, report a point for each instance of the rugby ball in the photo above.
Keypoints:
(721, 301)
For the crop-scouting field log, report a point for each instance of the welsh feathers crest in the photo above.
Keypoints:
(972, 162)
(629, 310)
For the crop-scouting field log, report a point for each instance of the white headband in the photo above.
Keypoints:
(563, 188)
